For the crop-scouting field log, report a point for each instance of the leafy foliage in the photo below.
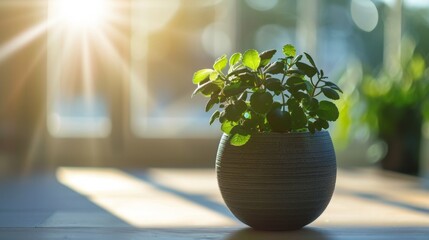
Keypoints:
(258, 94)
(391, 99)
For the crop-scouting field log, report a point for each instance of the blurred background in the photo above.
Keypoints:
(108, 83)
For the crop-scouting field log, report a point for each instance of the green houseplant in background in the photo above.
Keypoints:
(275, 164)
(396, 105)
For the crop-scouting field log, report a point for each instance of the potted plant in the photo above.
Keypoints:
(395, 106)
(275, 164)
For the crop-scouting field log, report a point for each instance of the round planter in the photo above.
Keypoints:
(277, 181)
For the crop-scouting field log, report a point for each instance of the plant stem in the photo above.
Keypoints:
(311, 80)
(261, 73)
(222, 76)
(283, 78)
(284, 102)
(317, 94)
(315, 86)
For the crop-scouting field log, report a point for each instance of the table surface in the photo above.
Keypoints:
(106, 203)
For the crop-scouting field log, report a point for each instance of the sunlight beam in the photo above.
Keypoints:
(138, 202)
(87, 70)
(17, 90)
(22, 40)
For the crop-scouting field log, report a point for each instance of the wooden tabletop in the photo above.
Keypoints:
(105, 203)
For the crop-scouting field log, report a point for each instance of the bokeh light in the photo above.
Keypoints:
(215, 40)
(262, 5)
(364, 14)
(272, 36)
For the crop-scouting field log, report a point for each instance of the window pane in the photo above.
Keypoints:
(77, 76)
(170, 40)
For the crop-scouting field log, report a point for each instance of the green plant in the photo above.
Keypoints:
(257, 94)
(389, 97)
(390, 106)
(378, 101)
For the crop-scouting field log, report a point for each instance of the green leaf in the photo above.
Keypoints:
(276, 105)
(234, 112)
(280, 121)
(201, 75)
(251, 59)
(301, 96)
(327, 111)
(260, 119)
(311, 127)
(234, 89)
(239, 139)
(248, 78)
(292, 103)
(241, 106)
(296, 59)
(211, 89)
(330, 93)
(227, 126)
(309, 87)
(295, 83)
(222, 118)
(274, 84)
(311, 104)
(214, 116)
(214, 76)
(206, 89)
(299, 119)
(292, 81)
(310, 59)
(237, 72)
(211, 103)
(261, 102)
(274, 68)
(295, 71)
(307, 69)
(320, 123)
(325, 124)
(220, 63)
(289, 50)
(251, 123)
(234, 59)
(317, 125)
(266, 56)
(333, 86)
(240, 136)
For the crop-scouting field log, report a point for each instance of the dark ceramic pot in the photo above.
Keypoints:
(277, 181)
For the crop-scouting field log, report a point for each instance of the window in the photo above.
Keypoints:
(78, 73)
(171, 39)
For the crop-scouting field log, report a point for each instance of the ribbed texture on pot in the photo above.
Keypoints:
(277, 181)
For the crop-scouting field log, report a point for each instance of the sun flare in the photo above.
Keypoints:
(81, 13)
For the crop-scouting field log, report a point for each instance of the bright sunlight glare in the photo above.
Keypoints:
(81, 13)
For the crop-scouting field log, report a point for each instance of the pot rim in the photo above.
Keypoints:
(287, 133)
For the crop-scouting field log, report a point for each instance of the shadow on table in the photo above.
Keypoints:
(384, 200)
(39, 200)
(349, 233)
(302, 234)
